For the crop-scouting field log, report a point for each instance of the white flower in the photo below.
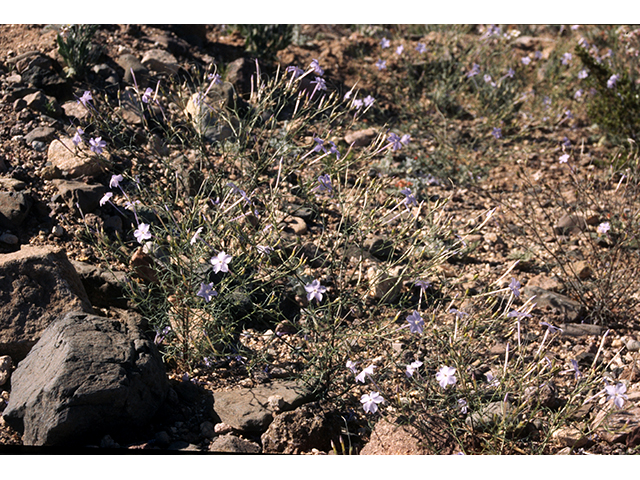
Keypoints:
(616, 392)
(370, 401)
(367, 371)
(446, 376)
(412, 367)
(142, 233)
(106, 198)
(196, 236)
(221, 262)
(115, 181)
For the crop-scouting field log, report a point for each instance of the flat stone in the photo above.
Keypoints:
(614, 425)
(570, 437)
(557, 303)
(233, 444)
(130, 63)
(570, 224)
(494, 412)
(580, 329)
(248, 409)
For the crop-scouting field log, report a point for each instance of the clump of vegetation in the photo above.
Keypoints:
(76, 49)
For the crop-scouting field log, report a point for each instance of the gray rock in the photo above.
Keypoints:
(580, 329)
(5, 368)
(493, 414)
(9, 238)
(570, 224)
(37, 284)
(557, 303)
(130, 62)
(14, 208)
(301, 430)
(104, 288)
(233, 444)
(81, 194)
(160, 61)
(87, 376)
(248, 410)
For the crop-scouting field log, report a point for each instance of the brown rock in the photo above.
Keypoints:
(37, 284)
(426, 437)
(361, 138)
(76, 161)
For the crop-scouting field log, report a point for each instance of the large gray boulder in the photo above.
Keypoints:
(86, 377)
(37, 284)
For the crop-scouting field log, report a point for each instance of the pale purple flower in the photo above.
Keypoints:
(446, 376)
(517, 314)
(617, 393)
(215, 78)
(463, 406)
(367, 371)
(583, 74)
(487, 78)
(161, 334)
(409, 198)
(77, 138)
(333, 149)
(370, 401)
(566, 58)
(97, 145)
(107, 196)
(514, 286)
(578, 94)
(412, 367)
(85, 98)
(497, 133)
(458, 313)
(319, 144)
(576, 370)
(207, 292)
(416, 324)
(603, 228)
(315, 290)
(115, 181)
(221, 262)
(146, 96)
(423, 284)
(550, 327)
(316, 67)
(368, 101)
(351, 366)
(381, 64)
(196, 236)
(324, 183)
(421, 47)
(537, 54)
(491, 380)
(475, 70)
(385, 43)
(297, 71)
(510, 73)
(320, 83)
(405, 139)
(399, 50)
(395, 141)
(264, 249)
(526, 60)
(142, 233)
(357, 103)
(611, 83)
(563, 158)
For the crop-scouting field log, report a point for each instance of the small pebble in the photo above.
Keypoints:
(9, 239)
(58, 231)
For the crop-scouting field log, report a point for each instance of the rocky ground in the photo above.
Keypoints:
(38, 193)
